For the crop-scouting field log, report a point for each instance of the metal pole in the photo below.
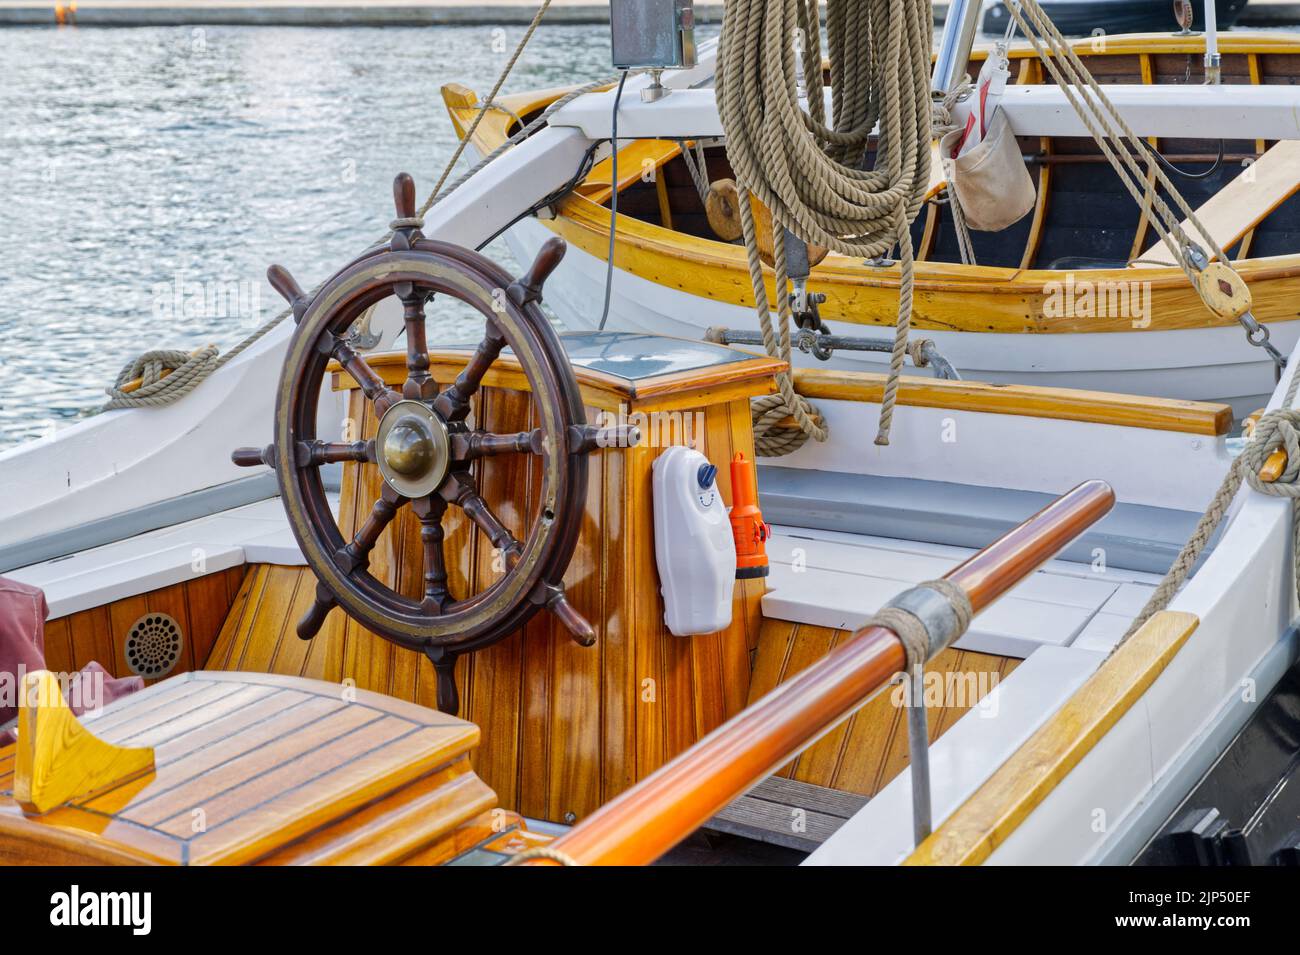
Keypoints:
(918, 748)
(1211, 43)
(954, 46)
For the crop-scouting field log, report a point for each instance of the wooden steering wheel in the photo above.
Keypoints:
(425, 446)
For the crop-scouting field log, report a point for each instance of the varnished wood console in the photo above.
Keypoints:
(565, 728)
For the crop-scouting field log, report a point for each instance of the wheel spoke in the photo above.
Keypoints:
(418, 384)
(372, 386)
(314, 618)
(356, 555)
(453, 404)
(430, 510)
(462, 491)
(313, 453)
(469, 445)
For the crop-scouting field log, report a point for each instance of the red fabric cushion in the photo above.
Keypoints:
(22, 650)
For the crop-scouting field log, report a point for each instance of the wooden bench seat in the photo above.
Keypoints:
(1061, 404)
(1239, 206)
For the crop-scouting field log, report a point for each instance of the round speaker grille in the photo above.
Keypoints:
(153, 645)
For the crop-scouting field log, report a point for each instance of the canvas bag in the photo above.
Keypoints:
(992, 184)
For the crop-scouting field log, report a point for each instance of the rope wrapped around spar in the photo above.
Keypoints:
(927, 619)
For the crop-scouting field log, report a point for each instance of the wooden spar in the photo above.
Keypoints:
(650, 818)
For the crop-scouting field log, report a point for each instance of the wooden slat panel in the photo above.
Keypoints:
(345, 733)
(565, 728)
(201, 607)
(1240, 205)
(59, 650)
(870, 748)
(277, 710)
(199, 713)
(350, 774)
(153, 699)
(238, 624)
(257, 762)
(393, 829)
(208, 603)
(131, 722)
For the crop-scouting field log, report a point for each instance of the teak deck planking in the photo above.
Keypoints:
(870, 748)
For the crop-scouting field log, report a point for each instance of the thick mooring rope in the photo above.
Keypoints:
(809, 174)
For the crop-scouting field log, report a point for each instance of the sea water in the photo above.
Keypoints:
(151, 175)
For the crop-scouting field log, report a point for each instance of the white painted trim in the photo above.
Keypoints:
(1167, 110)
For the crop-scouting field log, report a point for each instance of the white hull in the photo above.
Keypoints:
(1210, 364)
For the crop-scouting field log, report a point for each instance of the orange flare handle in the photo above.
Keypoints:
(747, 524)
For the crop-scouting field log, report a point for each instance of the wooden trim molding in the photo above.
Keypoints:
(1019, 786)
(696, 387)
(1063, 404)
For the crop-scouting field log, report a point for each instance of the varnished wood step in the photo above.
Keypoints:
(253, 767)
(787, 812)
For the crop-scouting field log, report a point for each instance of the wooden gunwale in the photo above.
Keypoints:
(1058, 404)
(985, 820)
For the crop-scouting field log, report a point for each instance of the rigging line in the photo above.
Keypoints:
(1166, 164)
(613, 202)
(491, 98)
(584, 167)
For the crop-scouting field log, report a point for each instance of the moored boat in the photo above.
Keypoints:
(1083, 17)
(500, 614)
(1064, 297)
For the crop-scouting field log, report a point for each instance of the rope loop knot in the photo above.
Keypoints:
(160, 376)
(927, 618)
(1274, 430)
(773, 439)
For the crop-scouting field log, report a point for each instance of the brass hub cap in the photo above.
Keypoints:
(412, 449)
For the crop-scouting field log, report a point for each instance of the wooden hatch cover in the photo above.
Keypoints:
(255, 768)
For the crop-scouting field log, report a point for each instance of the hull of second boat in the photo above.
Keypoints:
(1200, 364)
(1097, 17)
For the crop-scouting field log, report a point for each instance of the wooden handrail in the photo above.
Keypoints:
(643, 823)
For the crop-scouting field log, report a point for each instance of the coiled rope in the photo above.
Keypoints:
(809, 174)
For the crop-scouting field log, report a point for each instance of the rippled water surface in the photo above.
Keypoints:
(139, 161)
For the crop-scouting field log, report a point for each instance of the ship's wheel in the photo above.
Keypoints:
(425, 446)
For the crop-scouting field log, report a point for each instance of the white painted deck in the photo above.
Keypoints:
(835, 579)
(255, 533)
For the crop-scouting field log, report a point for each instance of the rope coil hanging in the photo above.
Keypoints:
(809, 173)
